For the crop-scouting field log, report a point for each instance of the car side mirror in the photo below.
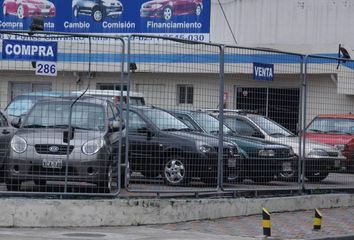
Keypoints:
(258, 135)
(115, 126)
(16, 122)
(145, 130)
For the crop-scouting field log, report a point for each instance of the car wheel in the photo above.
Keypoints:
(4, 10)
(105, 186)
(167, 13)
(97, 14)
(175, 172)
(20, 12)
(316, 176)
(13, 185)
(198, 10)
(76, 12)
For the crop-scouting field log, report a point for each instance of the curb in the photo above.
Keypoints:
(24, 212)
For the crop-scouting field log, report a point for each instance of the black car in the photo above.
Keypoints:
(45, 149)
(98, 9)
(160, 144)
(263, 159)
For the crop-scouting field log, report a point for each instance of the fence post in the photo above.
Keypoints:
(221, 116)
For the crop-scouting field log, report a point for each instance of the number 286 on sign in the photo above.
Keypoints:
(46, 68)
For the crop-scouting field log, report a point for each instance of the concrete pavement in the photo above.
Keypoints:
(337, 224)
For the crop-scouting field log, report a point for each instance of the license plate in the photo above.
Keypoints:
(287, 167)
(337, 163)
(231, 163)
(52, 163)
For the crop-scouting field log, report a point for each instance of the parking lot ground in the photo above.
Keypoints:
(336, 223)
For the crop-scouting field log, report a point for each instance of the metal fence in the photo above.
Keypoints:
(181, 117)
(64, 142)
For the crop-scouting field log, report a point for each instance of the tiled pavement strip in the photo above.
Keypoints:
(288, 225)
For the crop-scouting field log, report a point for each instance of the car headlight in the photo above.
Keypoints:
(318, 152)
(340, 147)
(203, 147)
(156, 5)
(18, 144)
(266, 153)
(30, 5)
(93, 146)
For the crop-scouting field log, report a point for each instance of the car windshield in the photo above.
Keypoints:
(20, 105)
(332, 125)
(210, 124)
(271, 128)
(56, 115)
(164, 121)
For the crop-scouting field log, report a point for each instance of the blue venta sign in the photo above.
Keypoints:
(29, 50)
(262, 71)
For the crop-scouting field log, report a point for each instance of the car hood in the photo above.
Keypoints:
(332, 139)
(56, 136)
(261, 143)
(109, 2)
(154, 2)
(197, 136)
(309, 144)
(38, 2)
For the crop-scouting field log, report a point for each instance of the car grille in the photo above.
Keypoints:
(45, 149)
(39, 170)
(227, 151)
(282, 153)
(333, 154)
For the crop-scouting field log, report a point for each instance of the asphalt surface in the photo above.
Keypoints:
(336, 224)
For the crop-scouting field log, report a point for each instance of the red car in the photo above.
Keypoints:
(28, 8)
(337, 130)
(166, 9)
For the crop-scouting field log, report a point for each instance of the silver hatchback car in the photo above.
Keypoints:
(43, 149)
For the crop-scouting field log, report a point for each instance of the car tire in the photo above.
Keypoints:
(4, 10)
(13, 185)
(316, 176)
(76, 11)
(97, 14)
(167, 13)
(198, 10)
(20, 11)
(175, 172)
(105, 186)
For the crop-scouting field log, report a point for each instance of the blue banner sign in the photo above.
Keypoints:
(187, 19)
(29, 50)
(262, 71)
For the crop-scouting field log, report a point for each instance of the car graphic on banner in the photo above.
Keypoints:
(28, 8)
(97, 9)
(167, 9)
(185, 19)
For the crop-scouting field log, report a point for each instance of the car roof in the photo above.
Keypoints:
(46, 94)
(109, 93)
(348, 116)
(83, 99)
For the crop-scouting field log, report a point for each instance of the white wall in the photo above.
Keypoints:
(314, 26)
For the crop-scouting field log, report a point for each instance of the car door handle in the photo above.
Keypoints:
(5, 131)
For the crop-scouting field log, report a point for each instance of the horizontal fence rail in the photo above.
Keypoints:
(142, 115)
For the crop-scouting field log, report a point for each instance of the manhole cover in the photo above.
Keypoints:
(90, 235)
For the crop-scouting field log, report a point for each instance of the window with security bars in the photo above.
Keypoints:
(111, 86)
(185, 94)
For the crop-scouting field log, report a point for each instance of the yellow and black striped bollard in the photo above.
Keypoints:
(266, 223)
(317, 221)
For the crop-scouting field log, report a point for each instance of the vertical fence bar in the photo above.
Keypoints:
(221, 120)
